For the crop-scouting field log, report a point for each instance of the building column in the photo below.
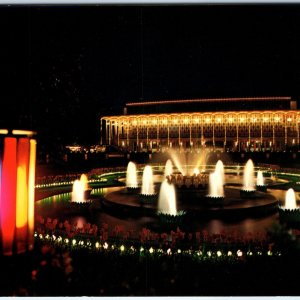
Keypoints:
(285, 135)
(213, 126)
(118, 134)
(202, 136)
(273, 138)
(225, 138)
(237, 137)
(137, 137)
(249, 139)
(298, 142)
(108, 131)
(261, 136)
(147, 138)
(127, 136)
(101, 138)
(157, 135)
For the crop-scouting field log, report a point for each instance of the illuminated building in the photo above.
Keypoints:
(232, 124)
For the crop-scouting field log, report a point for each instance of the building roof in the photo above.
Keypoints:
(208, 100)
(209, 104)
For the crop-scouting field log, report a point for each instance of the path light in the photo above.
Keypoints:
(17, 175)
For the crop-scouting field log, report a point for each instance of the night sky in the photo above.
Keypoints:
(64, 67)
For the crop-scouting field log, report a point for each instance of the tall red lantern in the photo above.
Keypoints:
(17, 178)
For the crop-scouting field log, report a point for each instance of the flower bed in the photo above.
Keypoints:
(200, 245)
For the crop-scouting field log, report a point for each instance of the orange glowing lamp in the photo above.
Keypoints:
(17, 177)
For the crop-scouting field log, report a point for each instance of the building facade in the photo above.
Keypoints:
(273, 129)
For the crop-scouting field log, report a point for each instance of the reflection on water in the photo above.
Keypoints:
(99, 192)
(65, 197)
(80, 221)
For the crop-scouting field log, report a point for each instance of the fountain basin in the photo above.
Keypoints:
(169, 219)
(214, 200)
(262, 188)
(289, 215)
(148, 198)
(248, 194)
(120, 202)
(132, 189)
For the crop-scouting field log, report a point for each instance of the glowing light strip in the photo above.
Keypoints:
(8, 194)
(23, 132)
(22, 194)
(3, 131)
(22, 171)
(31, 179)
(204, 100)
(287, 114)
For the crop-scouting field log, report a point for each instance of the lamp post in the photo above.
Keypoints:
(17, 178)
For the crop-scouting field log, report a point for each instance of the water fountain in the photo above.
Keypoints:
(187, 161)
(131, 178)
(147, 192)
(248, 190)
(196, 171)
(78, 192)
(167, 206)
(168, 168)
(81, 190)
(290, 212)
(216, 185)
(86, 189)
(290, 199)
(260, 185)
(167, 199)
(84, 180)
